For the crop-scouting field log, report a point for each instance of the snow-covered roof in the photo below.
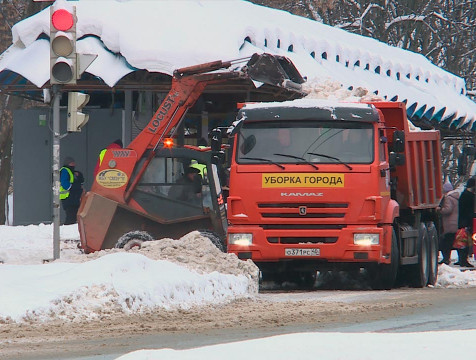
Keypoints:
(160, 36)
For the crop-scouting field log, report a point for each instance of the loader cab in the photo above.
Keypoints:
(173, 189)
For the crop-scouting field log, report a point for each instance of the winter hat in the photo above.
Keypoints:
(68, 160)
(191, 170)
(447, 187)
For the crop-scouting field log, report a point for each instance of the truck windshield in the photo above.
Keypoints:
(315, 142)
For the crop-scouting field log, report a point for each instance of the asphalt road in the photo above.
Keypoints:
(433, 309)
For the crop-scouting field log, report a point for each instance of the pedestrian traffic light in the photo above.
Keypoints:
(75, 118)
(63, 58)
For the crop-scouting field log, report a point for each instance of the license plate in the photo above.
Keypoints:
(302, 252)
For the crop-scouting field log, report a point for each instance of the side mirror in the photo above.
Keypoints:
(216, 140)
(235, 127)
(248, 144)
(218, 156)
(395, 159)
(398, 141)
(400, 159)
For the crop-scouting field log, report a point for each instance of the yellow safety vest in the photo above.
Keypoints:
(63, 192)
(201, 167)
(101, 156)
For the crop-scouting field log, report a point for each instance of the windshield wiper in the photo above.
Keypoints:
(333, 158)
(298, 158)
(262, 159)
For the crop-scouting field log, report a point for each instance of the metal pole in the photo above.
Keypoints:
(56, 178)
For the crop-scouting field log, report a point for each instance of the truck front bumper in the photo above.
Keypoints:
(319, 245)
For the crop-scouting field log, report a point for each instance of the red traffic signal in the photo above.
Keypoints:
(62, 20)
(63, 56)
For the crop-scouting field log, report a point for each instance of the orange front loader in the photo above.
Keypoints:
(136, 187)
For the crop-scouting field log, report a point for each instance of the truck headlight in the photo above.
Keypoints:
(240, 239)
(366, 239)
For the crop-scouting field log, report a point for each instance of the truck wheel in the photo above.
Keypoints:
(418, 273)
(214, 238)
(270, 276)
(306, 279)
(133, 239)
(433, 253)
(383, 276)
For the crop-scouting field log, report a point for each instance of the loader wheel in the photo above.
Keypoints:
(214, 238)
(433, 253)
(134, 243)
(133, 239)
(383, 276)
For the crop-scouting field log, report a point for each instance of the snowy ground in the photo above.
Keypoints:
(170, 274)
(329, 346)
(80, 287)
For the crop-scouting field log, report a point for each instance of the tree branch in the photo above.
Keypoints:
(315, 15)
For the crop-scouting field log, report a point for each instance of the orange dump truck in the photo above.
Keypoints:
(318, 185)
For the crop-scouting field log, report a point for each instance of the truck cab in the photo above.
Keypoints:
(313, 186)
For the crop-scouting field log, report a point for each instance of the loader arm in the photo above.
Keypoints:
(110, 209)
(189, 83)
(187, 86)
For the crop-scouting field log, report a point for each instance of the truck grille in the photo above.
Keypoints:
(303, 210)
(309, 205)
(303, 226)
(302, 240)
(268, 215)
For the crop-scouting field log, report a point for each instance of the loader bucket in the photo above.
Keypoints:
(102, 222)
(274, 70)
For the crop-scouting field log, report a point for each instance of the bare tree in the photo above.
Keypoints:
(11, 11)
(442, 30)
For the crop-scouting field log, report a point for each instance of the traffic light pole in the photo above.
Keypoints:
(56, 177)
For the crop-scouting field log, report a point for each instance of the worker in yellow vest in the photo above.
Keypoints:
(116, 144)
(71, 189)
(202, 168)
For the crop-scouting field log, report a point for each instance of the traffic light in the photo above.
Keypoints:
(76, 119)
(63, 58)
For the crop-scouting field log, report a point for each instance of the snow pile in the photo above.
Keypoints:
(168, 274)
(110, 285)
(450, 277)
(334, 90)
(192, 251)
(32, 244)
(164, 274)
